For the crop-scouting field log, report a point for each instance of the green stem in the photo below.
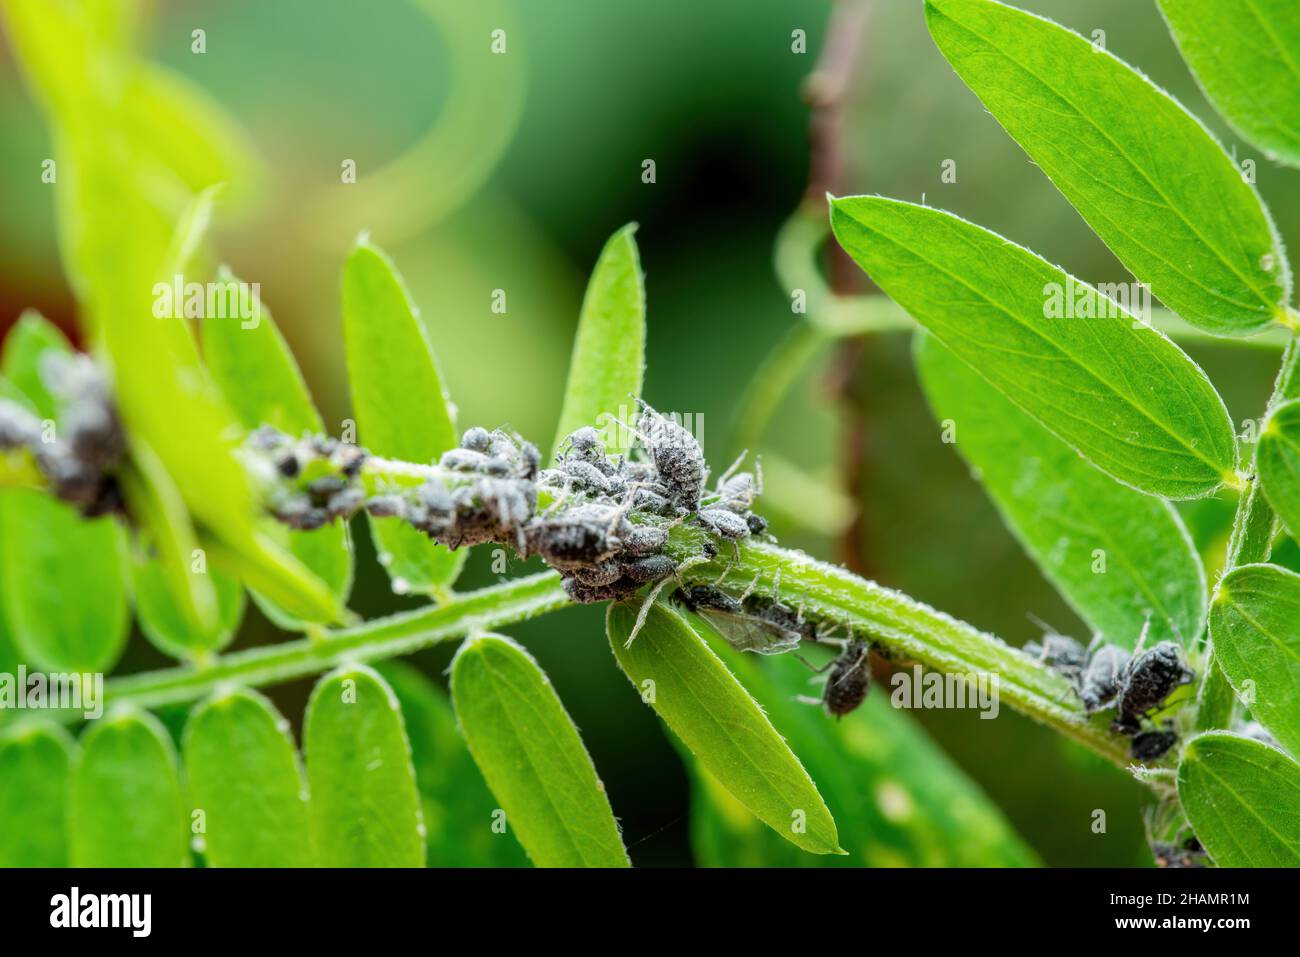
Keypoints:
(1251, 541)
(382, 638)
(908, 629)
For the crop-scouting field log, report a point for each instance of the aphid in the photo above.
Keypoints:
(579, 537)
(588, 594)
(1100, 681)
(476, 439)
(649, 568)
(585, 445)
(1149, 678)
(386, 506)
(600, 574)
(1060, 653)
(676, 455)
(1189, 853)
(757, 524)
(643, 539)
(1152, 745)
(742, 630)
(850, 679)
(18, 427)
(723, 523)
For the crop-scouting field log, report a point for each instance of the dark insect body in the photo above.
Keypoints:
(1189, 853)
(1148, 680)
(1101, 679)
(742, 629)
(850, 679)
(1152, 745)
(1059, 652)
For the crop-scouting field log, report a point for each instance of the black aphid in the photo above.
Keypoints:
(1188, 853)
(850, 679)
(676, 455)
(1148, 680)
(1152, 745)
(1059, 652)
(742, 629)
(1101, 679)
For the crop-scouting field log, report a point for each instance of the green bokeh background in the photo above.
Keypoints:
(711, 93)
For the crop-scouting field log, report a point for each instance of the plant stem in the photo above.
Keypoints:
(494, 607)
(905, 628)
(1251, 541)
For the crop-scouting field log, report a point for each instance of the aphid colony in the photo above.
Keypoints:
(1136, 684)
(77, 458)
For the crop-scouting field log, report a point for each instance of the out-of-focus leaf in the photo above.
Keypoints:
(252, 364)
(64, 589)
(165, 529)
(1119, 393)
(62, 577)
(1255, 628)
(1242, 797)
(244, 776)
(1278, 461)
(164, 622)
(401, 408)
(1146, 175)
(126, 807)
(897, 798)
(1244, 56)
(34, 759)
(677, 674)
(365, 808)
(608, 361)
(530, 752)
(1117, 556)
(186, 133)
(105, 193)
(459, 810)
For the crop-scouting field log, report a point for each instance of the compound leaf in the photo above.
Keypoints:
(1116, 391)
(532, 756)
(1146, 175)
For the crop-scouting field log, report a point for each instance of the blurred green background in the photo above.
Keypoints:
(535, 157)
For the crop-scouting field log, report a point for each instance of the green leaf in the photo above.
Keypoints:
(126, 806)
(705, 706)
(164, 621)
(608, 361)
(1278, 462)
(111, 187)
(1116, 555)
(34, 760)
(1255, 629)
(1117, 392)
(1245, 57)
(1242, 798)
(365, 808)
(244, 775)
(1146, 175)
(401, 408)
(62, 577)
(459, 809)
(31, 337)
(530, 752)
(252, 364)
(897, 798)
(63, 583)
(155, 504)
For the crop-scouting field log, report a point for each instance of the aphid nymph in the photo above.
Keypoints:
(850, 679)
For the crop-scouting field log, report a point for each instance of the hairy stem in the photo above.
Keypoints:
(1251, 541)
